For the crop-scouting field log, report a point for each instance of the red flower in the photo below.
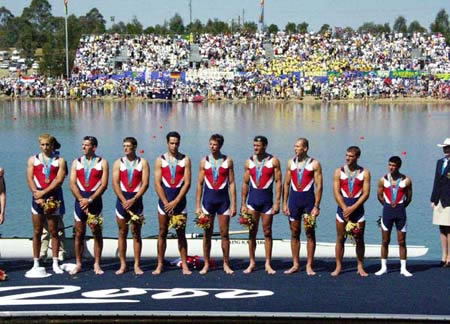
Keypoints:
(3, 275)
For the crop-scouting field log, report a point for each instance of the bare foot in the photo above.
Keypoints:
(76, 269)
(310, 271)
(249, 269)
(121, 270)
(293, 269)
(186, 270)
(270, 270)
(138, 271)
(98, 270)
(227, 269)
(158, 270)
(336, 272)
(204, 270)
(362, 272)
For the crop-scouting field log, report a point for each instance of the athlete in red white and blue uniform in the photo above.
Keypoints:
(302, 195)
(130, 181)
(88, 182)
(351, 188)
(216, 184)
(395, 194)
(262, 170)
(172, 182)
(45, 175)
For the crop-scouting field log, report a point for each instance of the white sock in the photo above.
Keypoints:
(403, 270)
(383, 269)
(56, 268)
(35, 262)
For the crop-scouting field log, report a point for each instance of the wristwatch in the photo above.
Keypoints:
(89, 200)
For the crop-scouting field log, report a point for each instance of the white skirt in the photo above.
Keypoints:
(441, 215)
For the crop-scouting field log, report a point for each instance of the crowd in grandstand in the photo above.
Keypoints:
(259, 66)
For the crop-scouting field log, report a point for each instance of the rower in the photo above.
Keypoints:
(301, 201)
(216, 181)
(261, 171)
(351, 188)
(88, 182)
(395, 194)
(130, 181)
(172, 182)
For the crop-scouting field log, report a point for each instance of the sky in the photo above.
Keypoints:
(336, 13)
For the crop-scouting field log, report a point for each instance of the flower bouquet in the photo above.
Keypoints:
(95, 221)
(246, 220)
(177, 221)
(203, 221)
(136, 219)
(3, 275)
(352, 230)
(309, 221)
(51, 205)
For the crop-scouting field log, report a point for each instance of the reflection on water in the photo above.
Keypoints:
(381, 130)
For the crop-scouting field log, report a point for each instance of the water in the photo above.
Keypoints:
(381, 130)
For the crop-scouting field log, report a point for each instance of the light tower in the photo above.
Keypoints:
(261, 16)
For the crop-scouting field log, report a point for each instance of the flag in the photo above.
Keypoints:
(65, 5)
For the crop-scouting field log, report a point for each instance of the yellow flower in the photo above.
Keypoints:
(136, 219)
(94, 221)
(51, 205)
(177, 221)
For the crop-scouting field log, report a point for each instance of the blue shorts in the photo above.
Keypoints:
(57, 194)
(137, 208)
(260, 200)
(356, 217)
(171, 194)
(299, 203)
(95, 207)
(394, 215)
(216, 201)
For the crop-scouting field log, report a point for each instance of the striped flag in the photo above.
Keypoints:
(65, 5)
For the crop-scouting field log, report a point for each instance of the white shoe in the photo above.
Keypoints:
(406, 273)
(380, 272)
(57, 269)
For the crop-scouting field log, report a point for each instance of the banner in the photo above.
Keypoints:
(405, 74)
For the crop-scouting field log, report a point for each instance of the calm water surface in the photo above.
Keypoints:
(381, 130)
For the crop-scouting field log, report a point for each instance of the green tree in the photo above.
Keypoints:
(302, 28)
(5, 17)
(372, 28)
(441, 23)
(325, 29)
(250, 27)
(273, 29)
(216, 26)
(176, 25)
(161, 29)
(135, 27)
(416, 27)
(290, 28)
(8, 31)
(400, 25)
(196, 27)
(119, 28)
(93, 22)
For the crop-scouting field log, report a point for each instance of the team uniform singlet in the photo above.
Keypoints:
(216, 199)
(260, 196)
(130, 180)
(172, 180)
(351, 187)
(44, 172)
(394, 210)
(301, 191)
(89, 179)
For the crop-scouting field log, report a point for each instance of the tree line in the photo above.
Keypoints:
(36, 28)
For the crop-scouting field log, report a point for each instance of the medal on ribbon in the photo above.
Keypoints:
(351, 179)
(87, 170)
(47, 168)
(259, 168)
(300, 172)
(173, 162)
(394, 192)
(130, 171)
(215, 167)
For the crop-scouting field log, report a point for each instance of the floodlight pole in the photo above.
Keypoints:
(67, 45)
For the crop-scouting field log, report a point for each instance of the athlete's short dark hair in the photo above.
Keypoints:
(218, 138)
(91, 139)
(172, 134)
(131, 140)
(304, 141)
(396, 160)
(355, 150)
(262, 139)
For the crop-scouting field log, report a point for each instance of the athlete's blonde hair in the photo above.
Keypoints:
(46, 136)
